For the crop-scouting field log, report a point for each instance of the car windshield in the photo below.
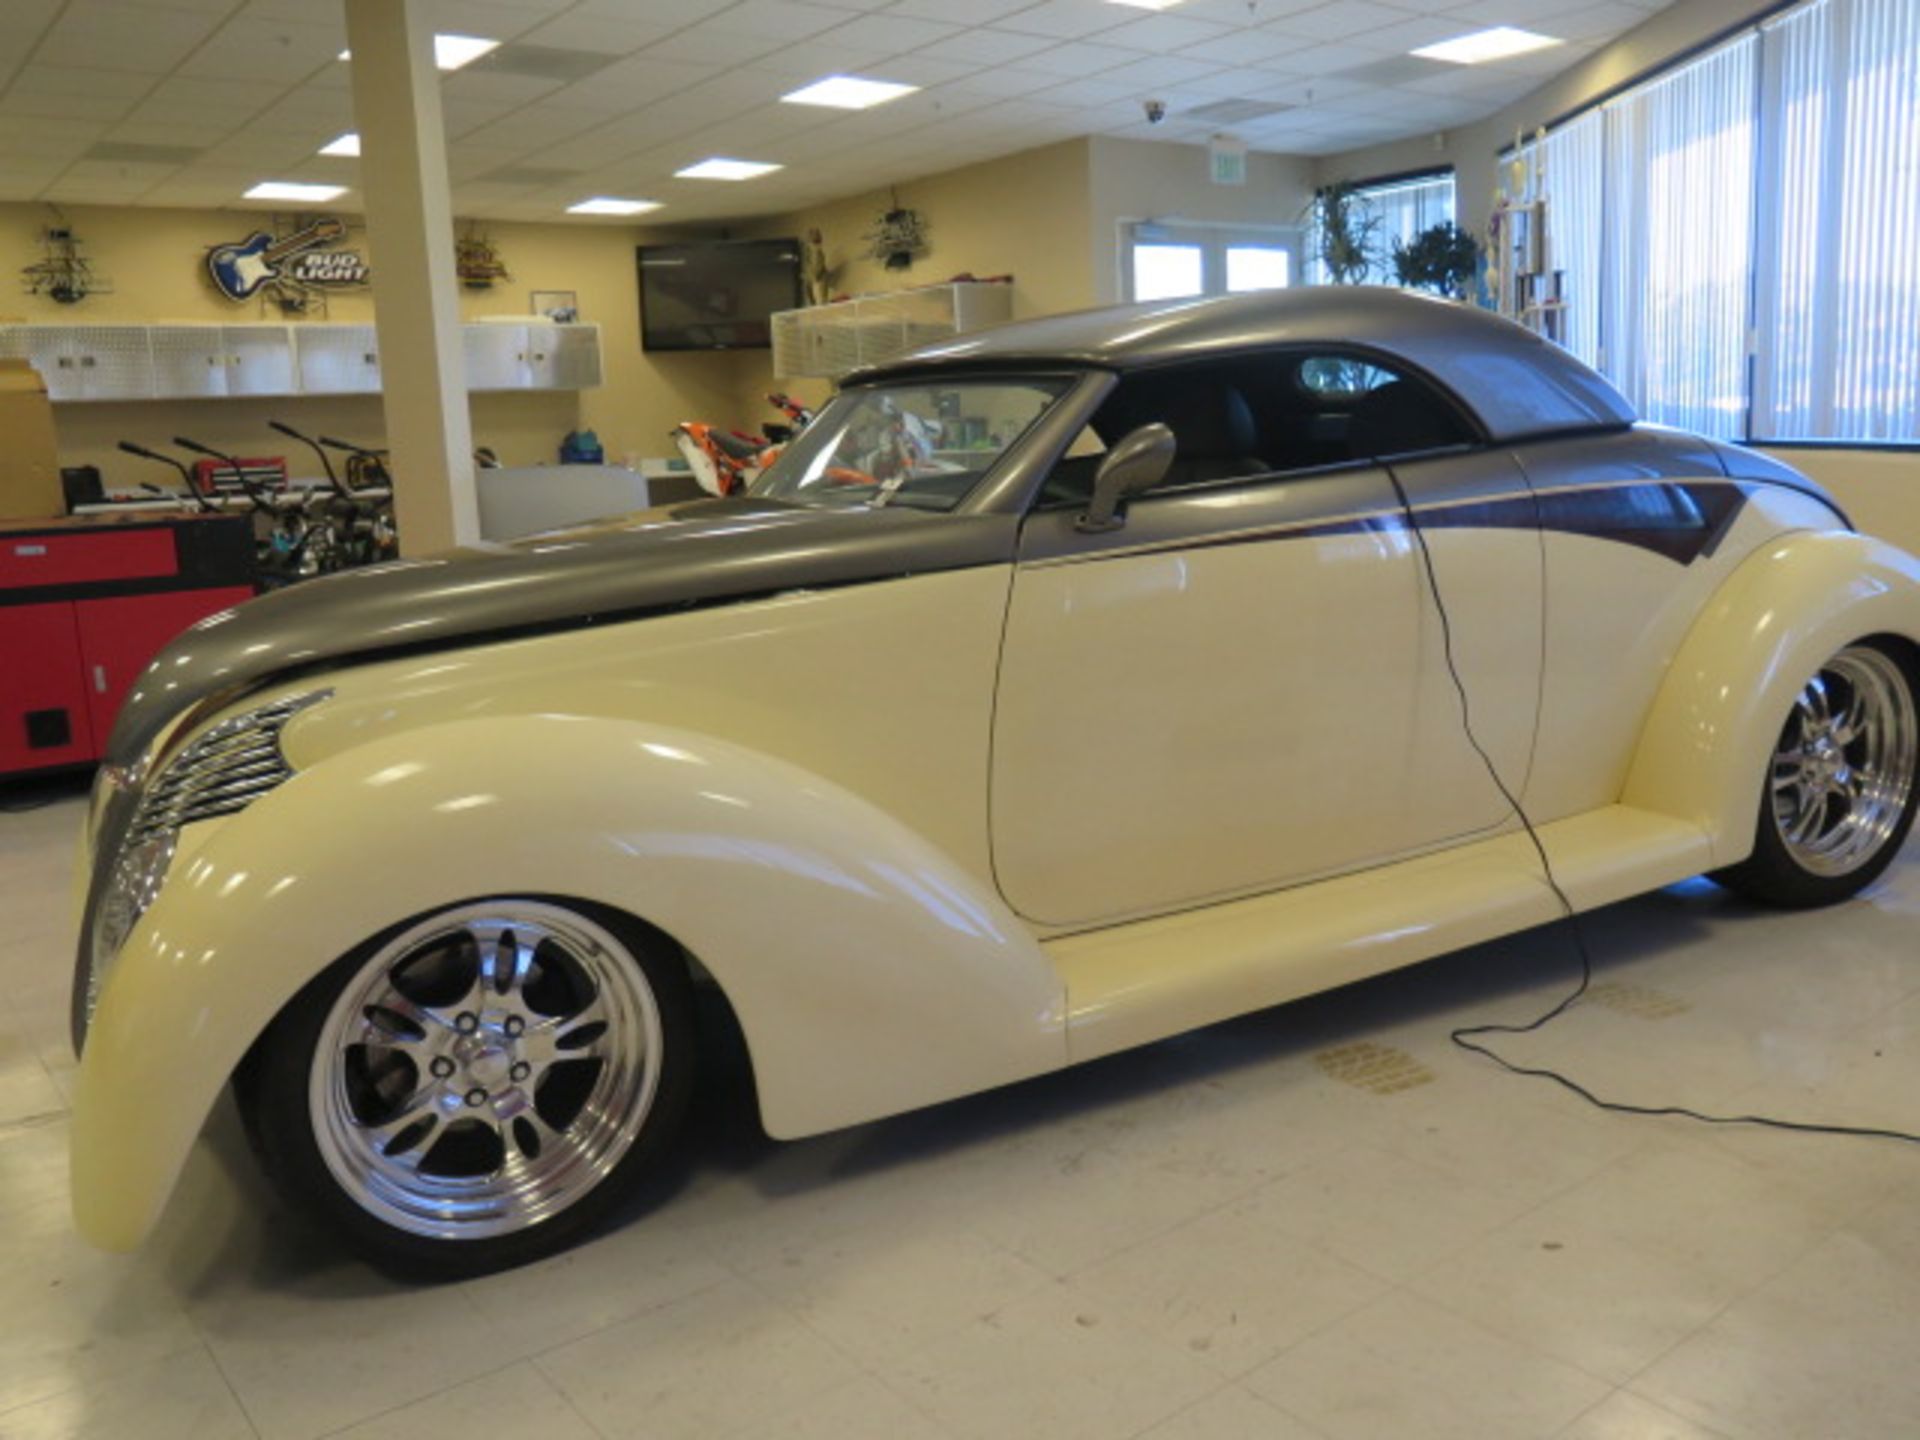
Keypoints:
(925, 444)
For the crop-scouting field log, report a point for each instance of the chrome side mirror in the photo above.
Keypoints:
(1138, 462)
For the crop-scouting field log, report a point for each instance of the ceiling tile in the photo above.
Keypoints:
(1161, 70)
(109, 36)
(782, 19)
(1159, 34)
(1244, 47)
(959, 12)
(1081, 60)
(601, 33)
(1340, 21)
(701, 45)
(267, 49)
(1067, 19)
(888, 34)
(986, 47)
(634, 81)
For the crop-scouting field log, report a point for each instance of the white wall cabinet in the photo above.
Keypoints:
(828, 341)
(201, 362)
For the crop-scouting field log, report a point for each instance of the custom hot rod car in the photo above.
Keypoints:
(1063, 687)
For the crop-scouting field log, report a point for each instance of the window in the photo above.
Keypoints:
(1402, 208)
(922, 446)
(1739, 238)
(1168, 272)
(1838, 306)
(1173, 262)
(1679, 177)
(1259, 415)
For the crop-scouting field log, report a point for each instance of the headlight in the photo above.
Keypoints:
(130, 889)
(219, 772)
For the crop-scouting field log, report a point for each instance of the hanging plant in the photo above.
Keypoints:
(898, 236)
(1442, 258)
(1344, 227)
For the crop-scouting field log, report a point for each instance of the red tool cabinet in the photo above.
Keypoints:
(85, 604)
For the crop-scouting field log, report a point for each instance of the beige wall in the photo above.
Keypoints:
(1028, 215)
(1880, 489)
(1156, 180)
(153, 257)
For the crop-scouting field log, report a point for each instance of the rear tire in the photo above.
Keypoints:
(1840, 792)
(476, 1089)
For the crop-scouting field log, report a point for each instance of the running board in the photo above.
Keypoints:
(1142, 982)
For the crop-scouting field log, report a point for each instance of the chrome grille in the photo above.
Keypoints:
(221, 772)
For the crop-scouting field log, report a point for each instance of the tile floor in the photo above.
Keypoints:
(1321, 1221)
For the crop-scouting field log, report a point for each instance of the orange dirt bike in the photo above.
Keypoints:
(724, 461)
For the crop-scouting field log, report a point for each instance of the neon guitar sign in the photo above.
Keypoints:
(300, 259)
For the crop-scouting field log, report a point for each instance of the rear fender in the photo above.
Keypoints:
(1705, 752)
(869, 973)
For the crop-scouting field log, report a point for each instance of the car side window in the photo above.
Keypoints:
(1255, 416)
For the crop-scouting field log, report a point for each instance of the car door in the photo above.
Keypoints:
(1245, 687)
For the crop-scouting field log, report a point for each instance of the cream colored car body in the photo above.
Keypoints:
(935, 834)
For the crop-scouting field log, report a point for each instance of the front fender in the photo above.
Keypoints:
(870, 974)
(1705, 750)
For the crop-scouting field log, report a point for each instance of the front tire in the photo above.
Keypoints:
(476, 1089)
(1840, 794)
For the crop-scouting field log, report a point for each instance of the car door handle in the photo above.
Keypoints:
(99, 679)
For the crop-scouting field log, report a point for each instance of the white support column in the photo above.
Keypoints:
(403, 171)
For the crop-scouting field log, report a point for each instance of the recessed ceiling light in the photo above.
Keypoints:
(1146, 4)
(1498, 43)
(347, 144)
(450, 52)
(294, 190)
(720, 168)
(612, 205)
(848, 92)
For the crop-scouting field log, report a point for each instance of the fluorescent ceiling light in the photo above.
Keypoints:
(1146, 4)
(347, 144)
(848, 92)
(612, 205)
(1499, 43)
(294, 190)
(720, 168)
(450, 52)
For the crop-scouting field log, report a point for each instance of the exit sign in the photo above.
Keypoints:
(1227, 160)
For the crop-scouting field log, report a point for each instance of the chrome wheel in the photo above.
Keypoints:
(485, 1069)
(1845, 765)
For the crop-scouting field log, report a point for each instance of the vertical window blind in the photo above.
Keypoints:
(1740, 237)
(1838, 306)
(1679, 204)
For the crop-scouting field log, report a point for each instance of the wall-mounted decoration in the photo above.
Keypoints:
(63, 274)
(815, 274)
(292, 266)
(560, 306)
(898, 237)
(476, 262)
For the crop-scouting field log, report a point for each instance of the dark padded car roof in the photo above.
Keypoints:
(1516, 383)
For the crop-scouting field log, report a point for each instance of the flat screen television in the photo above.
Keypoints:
(716, 295)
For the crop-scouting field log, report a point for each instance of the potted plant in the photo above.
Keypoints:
(1344, 227)
(1442, 259)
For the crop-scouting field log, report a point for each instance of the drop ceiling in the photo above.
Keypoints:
(190, 102)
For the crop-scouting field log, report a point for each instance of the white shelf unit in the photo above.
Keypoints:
(208, 362)
(828, 341)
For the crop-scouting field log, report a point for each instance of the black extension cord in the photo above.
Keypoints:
(1469, 1037)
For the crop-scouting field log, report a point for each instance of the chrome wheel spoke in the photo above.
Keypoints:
(1845, 766)
(436, 1049)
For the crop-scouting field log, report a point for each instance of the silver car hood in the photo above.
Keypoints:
(651, 562)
